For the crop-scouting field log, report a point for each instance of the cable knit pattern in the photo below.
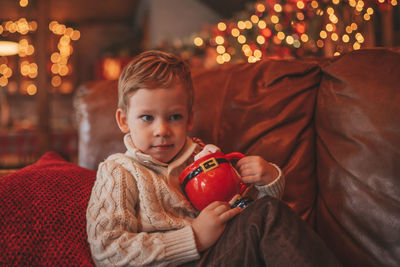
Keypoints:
(138, 215)
(274, 189)
(133, 209)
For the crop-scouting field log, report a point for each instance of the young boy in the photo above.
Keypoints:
(137, 214)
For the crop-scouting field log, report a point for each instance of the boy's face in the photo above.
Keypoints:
(158, 121)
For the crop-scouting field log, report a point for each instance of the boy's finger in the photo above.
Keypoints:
(214, 205)
(222, 208)
(241, 162)
(229, 214)
(247, 159)
(247, 171)
(250, 179)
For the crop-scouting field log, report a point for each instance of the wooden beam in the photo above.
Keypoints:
(42, 97)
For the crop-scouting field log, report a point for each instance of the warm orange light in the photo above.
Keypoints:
(3, 81)
(111, 69)
(25, 68)
(329, 27)
(300, 27)
(56, 81)
(226, 57)
(31, 89)
(235, 32)
(278, 8)
(241, 25)
(248, 24)
(304, 38)
(8, 48)
(266, 32)
(220, 49)
(262, 24)
(55, 57)
(63, 70)
(281, 36)
(52, 25)
(260, 7)
(221, 26)
(76, 35)
(260, 39)
(66, 87)
(220, 59)
(300, 16)
(55, 68)
(23, 3)
(198, 41)
(247, 50)
(300, 4)
(274, 19)
(257, 53)
(314, 4)
(6, 71)
(289, 40)
(241, 39)
(219, 40)
(255, 19)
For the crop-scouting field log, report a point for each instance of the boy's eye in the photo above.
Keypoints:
(146, 117)
(175, 117)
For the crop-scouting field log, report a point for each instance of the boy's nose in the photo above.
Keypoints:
(161, 128)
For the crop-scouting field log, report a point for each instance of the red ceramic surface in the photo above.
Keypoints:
(214, 181)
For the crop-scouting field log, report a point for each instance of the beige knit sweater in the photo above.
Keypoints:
(137, 214)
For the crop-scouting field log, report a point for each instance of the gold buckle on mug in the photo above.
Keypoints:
(209, 164)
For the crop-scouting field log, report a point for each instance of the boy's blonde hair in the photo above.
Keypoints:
(154, 69)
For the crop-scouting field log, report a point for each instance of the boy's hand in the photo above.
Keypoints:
(255, 170)
(211, 222)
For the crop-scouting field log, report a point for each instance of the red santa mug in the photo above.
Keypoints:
(212, 178)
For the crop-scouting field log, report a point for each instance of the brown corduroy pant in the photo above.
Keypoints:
(267, 233)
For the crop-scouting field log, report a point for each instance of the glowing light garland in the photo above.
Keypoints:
(60, 66)
(291, 29)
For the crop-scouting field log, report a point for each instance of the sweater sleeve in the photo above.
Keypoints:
(113, 226)
(275, 188)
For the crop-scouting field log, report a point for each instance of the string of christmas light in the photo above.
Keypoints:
(60, 66)
(291, 28)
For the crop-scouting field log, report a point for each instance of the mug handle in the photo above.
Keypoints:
(234, 155)
(237, 155)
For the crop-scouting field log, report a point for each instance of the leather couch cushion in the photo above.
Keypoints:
(358, 128)
(43, 214)
(264, 109)
(99, 136)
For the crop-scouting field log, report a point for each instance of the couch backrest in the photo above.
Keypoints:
(333, 127)
(357, 120)
(262, 109)
(98, 133)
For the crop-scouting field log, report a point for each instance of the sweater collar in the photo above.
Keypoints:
(148, 161)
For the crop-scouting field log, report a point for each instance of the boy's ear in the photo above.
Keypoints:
(190, 122)
(122, 121)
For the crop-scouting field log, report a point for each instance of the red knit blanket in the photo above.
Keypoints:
(43, 214)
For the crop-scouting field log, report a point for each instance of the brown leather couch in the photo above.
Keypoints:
(333, 125)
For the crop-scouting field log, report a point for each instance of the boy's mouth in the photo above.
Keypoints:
(163, 146)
